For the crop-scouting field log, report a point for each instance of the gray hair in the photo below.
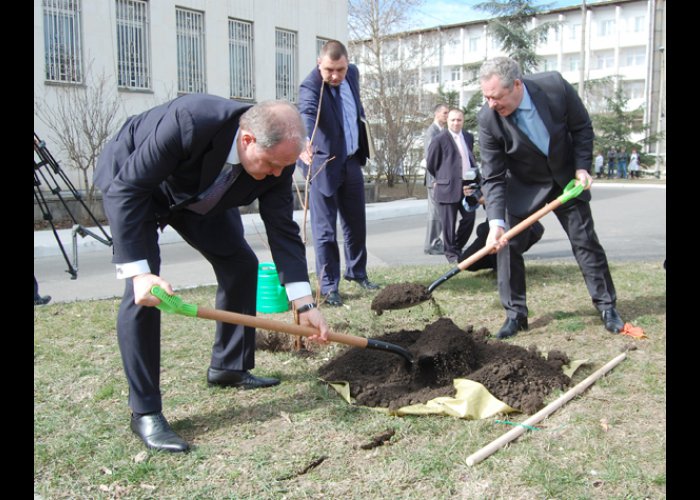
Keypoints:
(507, 69)
(274, 122)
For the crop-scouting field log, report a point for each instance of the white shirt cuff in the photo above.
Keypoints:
(131, 269)
(297, 289)
(497, 223)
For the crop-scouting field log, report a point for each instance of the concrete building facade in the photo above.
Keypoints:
(150, 51)
(622, 39)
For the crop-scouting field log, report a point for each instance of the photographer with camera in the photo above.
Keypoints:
(451, 162)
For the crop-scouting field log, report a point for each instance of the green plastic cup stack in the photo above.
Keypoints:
(271, 296)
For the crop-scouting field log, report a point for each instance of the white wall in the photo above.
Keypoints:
(308, 18)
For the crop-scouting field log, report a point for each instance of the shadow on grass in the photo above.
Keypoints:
(629, 309)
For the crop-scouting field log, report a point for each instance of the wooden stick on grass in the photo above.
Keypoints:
(509, 436)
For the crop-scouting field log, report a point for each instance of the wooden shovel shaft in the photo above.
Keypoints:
(277, 326)
(512, 233)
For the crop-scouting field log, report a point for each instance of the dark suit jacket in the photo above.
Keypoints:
(329, 138)
(516, 175)
(163, 158)
(445, 164)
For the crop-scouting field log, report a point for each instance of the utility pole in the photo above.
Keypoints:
(582, 62)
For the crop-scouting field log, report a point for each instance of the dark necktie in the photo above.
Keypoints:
(216, 191)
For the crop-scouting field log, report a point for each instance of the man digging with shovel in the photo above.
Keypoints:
(190, 163)
(535, 135)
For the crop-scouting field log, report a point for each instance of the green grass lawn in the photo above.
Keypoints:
(300, 440)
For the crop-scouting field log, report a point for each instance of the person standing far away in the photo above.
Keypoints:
(433, 232)
(334, 161)
(535, 136)
(599, 161)
(451, 161)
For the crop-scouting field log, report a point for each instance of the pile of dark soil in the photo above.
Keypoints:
(399, 296)
(519, 377)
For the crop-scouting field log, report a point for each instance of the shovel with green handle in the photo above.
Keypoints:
(174, 304)
(383, 301)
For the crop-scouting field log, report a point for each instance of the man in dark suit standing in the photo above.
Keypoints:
(449, 161)
(433, 232)
(190, 163)
(535, 136)
(335, 155)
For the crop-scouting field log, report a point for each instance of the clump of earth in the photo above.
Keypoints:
(521, 378)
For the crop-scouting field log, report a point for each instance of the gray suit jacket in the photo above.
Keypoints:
(428, 136)
(445, 164)
(516, 175)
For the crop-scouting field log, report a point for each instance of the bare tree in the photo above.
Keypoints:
(391, 89)
(80, 120)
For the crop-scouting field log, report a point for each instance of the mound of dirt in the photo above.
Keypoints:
(519, 377)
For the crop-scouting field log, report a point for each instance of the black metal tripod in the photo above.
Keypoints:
(50, 177)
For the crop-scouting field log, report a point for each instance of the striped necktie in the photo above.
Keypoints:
(213, 194)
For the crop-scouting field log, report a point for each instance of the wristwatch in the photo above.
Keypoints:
(306, 307)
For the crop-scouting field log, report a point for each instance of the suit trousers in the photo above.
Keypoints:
(453, 240)
(433, 231)
(576, 219)
(219, 239)
(349, 202)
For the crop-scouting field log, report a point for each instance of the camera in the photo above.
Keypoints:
(472, 181)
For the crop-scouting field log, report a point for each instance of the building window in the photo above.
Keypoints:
(554, 33)
(62, 45)
(240, 52)
(320, 42)
(572, 62)
(190, 51)
(550, 64)
(456, 73)
(286, 65)
(431, 75)
(133, 49)
(574, 31)
(474, 43)
(605, 59)
(633, 89)
(606, 27)
(634, 56)
(638, 24)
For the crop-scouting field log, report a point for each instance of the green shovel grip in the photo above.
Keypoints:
(173, 304)
(570, 191)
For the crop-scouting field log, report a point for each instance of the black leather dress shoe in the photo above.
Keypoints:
(155, 431)
(613, 321)
(333, 299)
(40, 301)
(511, 327)
(364, 283)
(434, 251)
(242, 379)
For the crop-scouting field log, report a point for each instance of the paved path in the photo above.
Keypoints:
(630, 222)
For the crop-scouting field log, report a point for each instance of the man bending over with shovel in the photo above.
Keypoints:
(190, 163)
(535, 136)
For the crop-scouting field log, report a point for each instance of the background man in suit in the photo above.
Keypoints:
(433, 232)
(535, 136)
(336, 156)
(190, 163)
(449, 160)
